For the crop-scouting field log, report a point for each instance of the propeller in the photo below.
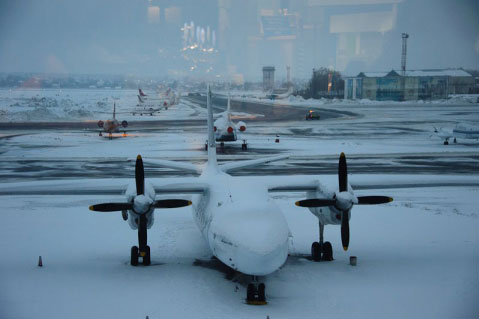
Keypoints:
(141, 205)
(343, 200)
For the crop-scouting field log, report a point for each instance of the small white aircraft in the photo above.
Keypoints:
(112, 125)
(239, 220)
(461, 131)
(225, 130)
(166, 99)
(146, 107)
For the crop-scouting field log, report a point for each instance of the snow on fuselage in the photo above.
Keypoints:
(241, 224)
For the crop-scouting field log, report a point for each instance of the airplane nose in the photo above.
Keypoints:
(253, 241)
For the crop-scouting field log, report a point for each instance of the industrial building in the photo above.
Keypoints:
(408, 85)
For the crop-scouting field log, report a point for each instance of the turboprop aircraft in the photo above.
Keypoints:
(112, 125)
(239, 220)
(227, 131)
(461, 131)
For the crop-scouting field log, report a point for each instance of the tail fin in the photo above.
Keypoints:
(228, 108)
(114, 110)
(140, 99)
(212, 162)
(141, 92)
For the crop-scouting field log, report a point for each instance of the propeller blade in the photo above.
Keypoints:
(343, 173)
(316, 202)
(139, 176)
(111, 207)
(345, 230)
(171, 203)
(373, 200)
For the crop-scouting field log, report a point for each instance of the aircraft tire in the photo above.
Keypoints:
(134, 256)
(316, 251)
(147, 258)
(446, 143)
(261, 292)
(250, 293)
(327, 251)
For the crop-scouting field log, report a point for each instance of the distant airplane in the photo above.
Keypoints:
(112, 125)
(227, 131)
(241, 223)
(165, 99)
(146, 107)
(462, 131)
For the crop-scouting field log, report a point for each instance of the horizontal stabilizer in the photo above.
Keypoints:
(228, 167)
(182, 166)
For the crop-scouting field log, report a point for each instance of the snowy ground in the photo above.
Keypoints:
(418, 257)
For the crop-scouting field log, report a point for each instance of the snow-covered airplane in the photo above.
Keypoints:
(239, 220)
(461, 131)
(225, 130)
(112, 125)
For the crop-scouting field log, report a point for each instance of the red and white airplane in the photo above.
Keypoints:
(112, 125)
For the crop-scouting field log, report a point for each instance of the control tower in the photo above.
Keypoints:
(268, 78)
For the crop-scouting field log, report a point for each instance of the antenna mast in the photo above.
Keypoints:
(404, 53)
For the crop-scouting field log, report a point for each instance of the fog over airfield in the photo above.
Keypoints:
(234, 39)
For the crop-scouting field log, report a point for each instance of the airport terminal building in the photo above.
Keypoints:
(410, 85)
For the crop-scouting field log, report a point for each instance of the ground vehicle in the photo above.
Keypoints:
(312, 115)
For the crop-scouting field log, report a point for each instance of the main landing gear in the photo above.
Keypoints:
(322, 250)
(244, 146)
(255, 293)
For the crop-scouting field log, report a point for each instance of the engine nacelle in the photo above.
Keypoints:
(241, 126)
(124, 124)
(100, 124)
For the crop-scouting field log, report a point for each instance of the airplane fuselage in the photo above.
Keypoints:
(111, 126)
(242, 225)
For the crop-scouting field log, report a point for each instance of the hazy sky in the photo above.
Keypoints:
(127, 36)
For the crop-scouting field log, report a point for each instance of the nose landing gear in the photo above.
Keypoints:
(255, 293)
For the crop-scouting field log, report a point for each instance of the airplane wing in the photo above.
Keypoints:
(192, 168)
(107, 186)
(228, 167)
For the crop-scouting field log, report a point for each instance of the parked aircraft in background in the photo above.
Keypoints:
(227, 131)
(163, 99)
(460, 131)
(112, 125)
(146, 107)
(239, 220)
